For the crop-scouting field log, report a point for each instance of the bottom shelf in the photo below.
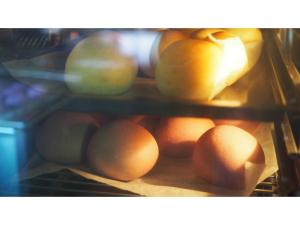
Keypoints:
(67, 183)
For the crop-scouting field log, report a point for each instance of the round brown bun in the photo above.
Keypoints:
(122, 150)
(221, 153)
(249, 126)
(63, 137)
(177, 136)
(253, 41)
(199, 69)
(97, 66)
(162, 41)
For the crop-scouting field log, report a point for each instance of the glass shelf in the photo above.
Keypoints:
(256, 96)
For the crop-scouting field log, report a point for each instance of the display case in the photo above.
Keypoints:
(268, 94)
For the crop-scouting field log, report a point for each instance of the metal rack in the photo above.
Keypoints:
(267, 188)
(67, 183)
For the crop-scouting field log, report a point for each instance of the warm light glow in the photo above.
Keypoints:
(233, 63)
(137, 44)
(235, 58)
(225, 102)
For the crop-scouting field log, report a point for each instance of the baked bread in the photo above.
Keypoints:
(122, 150)
(221, 153)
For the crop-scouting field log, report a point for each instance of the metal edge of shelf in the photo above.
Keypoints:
(288, 181)
(289, 139)
(284, 46)
(172, 109)
(286, 80)
(42, 112)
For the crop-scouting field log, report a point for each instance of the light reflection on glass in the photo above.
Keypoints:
(12, 89)
(35, 92)
(38, 74)
(98, 64)
(8, 162)
(17, 94)
(15, 99)
(138, 44)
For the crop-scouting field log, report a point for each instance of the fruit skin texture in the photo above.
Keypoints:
(186, 69)
(63, 137)
(164, 40)
(221, 153)
(253, 41)
(177, 136)
(96, 66)
(168, 37)
(122, 150)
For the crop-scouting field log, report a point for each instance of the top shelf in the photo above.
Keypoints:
(256, 96)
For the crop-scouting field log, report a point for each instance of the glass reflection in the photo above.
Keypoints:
(8, 160)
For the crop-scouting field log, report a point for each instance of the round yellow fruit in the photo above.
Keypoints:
(97, 66)
(201, 68)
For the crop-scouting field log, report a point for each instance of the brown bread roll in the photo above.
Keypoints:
(221, 153)
(122, 150)
(64, 136)
(177, 136)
